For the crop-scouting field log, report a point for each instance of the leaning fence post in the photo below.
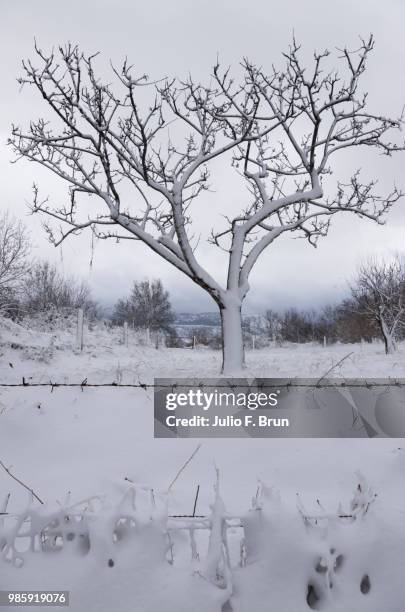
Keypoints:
(125, 333)
(324, 342)
(79, 330)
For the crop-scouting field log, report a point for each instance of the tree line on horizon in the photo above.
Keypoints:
(374, 308)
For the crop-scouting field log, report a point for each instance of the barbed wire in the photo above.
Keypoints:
(225, 384)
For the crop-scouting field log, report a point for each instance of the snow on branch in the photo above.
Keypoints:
(143, 149)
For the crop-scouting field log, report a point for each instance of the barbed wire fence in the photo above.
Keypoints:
(289, 384)
(214, 557)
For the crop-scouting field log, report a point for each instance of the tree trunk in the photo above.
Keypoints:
(389, 341)
(233, 354)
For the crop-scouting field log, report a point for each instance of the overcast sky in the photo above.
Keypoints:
(174, 38)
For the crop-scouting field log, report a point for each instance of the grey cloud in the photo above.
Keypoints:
(163, 38)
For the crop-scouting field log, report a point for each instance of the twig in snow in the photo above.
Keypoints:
(335, 365)
(184, 466)
(196, 499)
(3, 509)
(21, 483)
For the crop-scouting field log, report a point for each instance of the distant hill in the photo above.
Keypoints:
(211, 319)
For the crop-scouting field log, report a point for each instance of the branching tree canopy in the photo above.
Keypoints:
(15, 249)
(148, 306)
(45, 289)
(148, 164)
(379, 293)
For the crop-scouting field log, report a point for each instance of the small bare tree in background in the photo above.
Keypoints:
(148, 307)
(44, 289)
(14, 262)
(147, 163)
(379, 293)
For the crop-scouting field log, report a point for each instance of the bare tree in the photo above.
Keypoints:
(281, 130)
(148, 306)
(352, 325)
(45, 289)
(14, 251)
(379, 292)
(273, 326)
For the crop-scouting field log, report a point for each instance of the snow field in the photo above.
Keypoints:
(72, 444)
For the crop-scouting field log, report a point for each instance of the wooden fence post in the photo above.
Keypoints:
(79, 329)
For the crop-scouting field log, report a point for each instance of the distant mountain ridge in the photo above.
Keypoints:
(212, 319)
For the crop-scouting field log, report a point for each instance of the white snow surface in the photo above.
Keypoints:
(70, 444)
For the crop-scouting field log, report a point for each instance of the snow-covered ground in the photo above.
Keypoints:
(40, 356)
(99, 442)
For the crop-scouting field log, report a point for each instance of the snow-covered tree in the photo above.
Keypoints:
(14, 259)
(148, 306)
(45, 289)
(147, 161)
(379, 293)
